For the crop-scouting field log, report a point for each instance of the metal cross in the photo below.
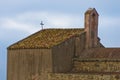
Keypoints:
(41, 24)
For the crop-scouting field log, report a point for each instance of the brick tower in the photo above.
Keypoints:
(91, 27)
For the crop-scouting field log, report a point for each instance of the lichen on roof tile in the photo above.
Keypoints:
(46, 38)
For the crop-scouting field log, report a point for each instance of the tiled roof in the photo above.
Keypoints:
(101, 53)
(46, 38)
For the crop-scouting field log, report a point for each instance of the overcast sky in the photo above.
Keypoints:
(20, 18)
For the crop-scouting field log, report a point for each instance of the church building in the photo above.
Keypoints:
(64, 54)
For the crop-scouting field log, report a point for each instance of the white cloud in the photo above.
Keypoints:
(52, 19)
(30, 21)
(19, 26)
(109, 21)
(16, 27)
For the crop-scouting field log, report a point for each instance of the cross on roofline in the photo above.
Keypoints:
(41, 24)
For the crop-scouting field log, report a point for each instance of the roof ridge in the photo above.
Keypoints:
(62, 28)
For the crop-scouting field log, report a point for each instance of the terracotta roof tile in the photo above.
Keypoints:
(109, 53)
(46, 38)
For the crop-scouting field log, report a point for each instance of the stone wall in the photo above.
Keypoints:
(96, 66)
(75, 76)
(62, 55)
(23, 63)
(83, 77)
(79, 44)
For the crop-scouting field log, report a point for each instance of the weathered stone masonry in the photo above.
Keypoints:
(64, 54)
(97, 65)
